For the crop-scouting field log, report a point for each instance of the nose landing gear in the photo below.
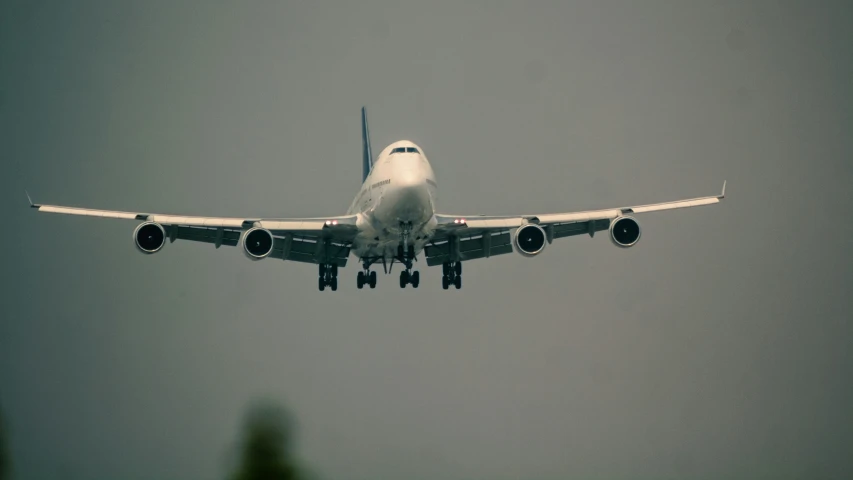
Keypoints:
(409, 277)
(406, 255)
(452, 275)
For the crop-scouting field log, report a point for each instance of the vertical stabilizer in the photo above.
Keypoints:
(366, 152)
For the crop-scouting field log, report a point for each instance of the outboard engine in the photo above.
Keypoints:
(624, 232)
(530, 240)
(257, 243)
(149, 237)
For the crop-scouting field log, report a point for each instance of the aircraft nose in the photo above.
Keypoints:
(413, 189)
(410, 197)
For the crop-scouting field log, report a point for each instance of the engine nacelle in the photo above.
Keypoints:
(149, 237)
(257, 243)
(624, 232)
(530, 240)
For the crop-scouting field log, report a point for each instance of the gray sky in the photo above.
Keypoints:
(716, 348)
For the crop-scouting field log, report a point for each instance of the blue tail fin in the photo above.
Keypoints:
(366, 153)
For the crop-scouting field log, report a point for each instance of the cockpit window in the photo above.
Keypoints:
(405, 150)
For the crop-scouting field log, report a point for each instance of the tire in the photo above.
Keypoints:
(445, 282)
(334, 284)
(404, 279)
(416, 279)
(458, 268)
(322, 284)
(322, 268)
(372, 279)
(457, 282)
(335, 270)
(360, 280)
(445, 269)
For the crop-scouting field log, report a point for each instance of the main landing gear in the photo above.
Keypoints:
(452, 275)
(366, 277)
(328, 276)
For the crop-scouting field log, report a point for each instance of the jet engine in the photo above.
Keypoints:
(624, 232)
(149, 237)
(529, 240)
(257, 243)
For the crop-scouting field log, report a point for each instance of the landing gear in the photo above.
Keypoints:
(366, 277)
(408, 277)
(409, 253)
(452, 275)
(328, 276)
(406, 255)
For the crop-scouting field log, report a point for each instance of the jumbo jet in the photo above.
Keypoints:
(392, 219)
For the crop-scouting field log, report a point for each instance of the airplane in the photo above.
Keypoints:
(392, 219)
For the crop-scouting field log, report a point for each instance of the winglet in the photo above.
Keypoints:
(32, 205)
(723, 193)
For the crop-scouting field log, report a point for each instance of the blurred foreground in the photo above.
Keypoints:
(4, 456)
(266, 448)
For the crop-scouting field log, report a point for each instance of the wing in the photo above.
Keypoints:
(311, 240)
(460, 237)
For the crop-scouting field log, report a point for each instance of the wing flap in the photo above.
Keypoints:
(469, 248)
(228, 238)
(579, 228)
(309, 249)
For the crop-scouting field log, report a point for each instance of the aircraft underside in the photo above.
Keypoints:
(402, 246)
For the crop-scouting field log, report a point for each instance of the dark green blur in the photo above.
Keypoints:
(266, 448)
(4, 456)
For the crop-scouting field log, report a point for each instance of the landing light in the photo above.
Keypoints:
(459, 220)
(331, 222)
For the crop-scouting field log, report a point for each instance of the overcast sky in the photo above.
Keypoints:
(718, 347)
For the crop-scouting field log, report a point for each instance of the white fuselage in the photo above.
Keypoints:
(399, 194)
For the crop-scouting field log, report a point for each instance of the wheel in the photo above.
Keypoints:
(322, 284)
(400, 251)
(457, 282)
(322, 268)
(445, 282)
(411, 251)
(334, 284)
(458, 268)
(335, 270)
(360, 280)
(416, 279)
(445, 269)
(404, 279)
(372, 279)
